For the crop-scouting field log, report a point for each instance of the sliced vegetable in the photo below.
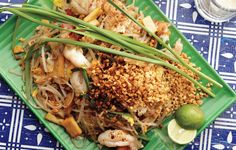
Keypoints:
(18, 49)
(132, 56)
(93, 15)
(53, 118)
(114, 38)
(148, 23)
(72, 127)
(58, 3)
(59, 68)
(94, 22)
(166, 46)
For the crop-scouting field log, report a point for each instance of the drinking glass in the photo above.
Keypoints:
(213, 11)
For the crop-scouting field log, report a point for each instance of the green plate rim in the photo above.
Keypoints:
(53, 132)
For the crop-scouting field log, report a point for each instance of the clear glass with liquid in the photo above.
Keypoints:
(216, 10)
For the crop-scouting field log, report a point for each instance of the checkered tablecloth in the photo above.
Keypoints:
(20, 129)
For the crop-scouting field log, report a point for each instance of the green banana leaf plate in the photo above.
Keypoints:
(159, 139)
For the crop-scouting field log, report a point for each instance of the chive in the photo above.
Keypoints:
(27, 72)
(120, 36)
(14, 35)
(166, 46)
(92, 35)
(103, 35)
(138, 43)
(118, 41)
(138, 47)
(85, 75)
(80, 22)
(128, 55)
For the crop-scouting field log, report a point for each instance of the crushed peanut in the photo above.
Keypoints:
(146, 89)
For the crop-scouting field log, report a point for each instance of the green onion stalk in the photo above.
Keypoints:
(135, 48)
(79, 22)
(128, 55)
(88, 33)
(109, 34)
(14, 35)
(127, 44)
(114, 36)
(165, 45)
(27, 73)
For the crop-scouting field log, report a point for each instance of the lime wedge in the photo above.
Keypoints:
(180, 135)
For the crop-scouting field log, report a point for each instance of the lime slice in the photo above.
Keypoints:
(180, 135)
(190, 116)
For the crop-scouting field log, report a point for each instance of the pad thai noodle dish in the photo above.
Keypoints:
(104, 70)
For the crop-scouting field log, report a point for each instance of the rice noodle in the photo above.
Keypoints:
(32, 103)
(53, 106)
(44, 59)
(81, 111)
(116, 84)
(52, 90)
(40, 101)
(62, 90)
(92, 54)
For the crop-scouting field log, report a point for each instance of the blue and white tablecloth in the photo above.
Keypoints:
(20, 129)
